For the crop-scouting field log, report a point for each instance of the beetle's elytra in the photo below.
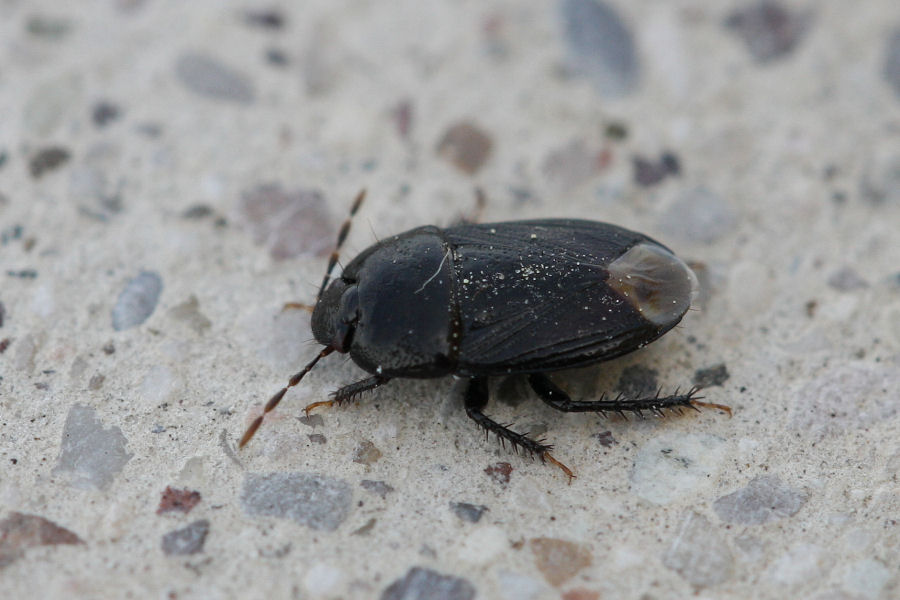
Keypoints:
(478, 300)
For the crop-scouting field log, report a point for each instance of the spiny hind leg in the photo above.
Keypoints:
(558, 399)
(476, 399)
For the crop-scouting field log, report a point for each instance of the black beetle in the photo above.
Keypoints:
(478, 300)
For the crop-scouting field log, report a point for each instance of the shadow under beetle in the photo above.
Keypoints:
(478, 300)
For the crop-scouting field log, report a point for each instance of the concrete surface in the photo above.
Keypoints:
(171, 173)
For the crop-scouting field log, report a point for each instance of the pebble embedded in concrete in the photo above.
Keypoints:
(90, 454)
(316, 501)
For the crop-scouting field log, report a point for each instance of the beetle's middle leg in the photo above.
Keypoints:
(558, 399)
(476, 399)
(349, 392)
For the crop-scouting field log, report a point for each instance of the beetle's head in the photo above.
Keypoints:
(335, 316)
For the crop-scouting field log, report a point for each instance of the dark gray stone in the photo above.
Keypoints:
(91, 454)
(318, 502)
(209, 77)
(188, 540)
(600, 46)
(769, 30)
(468, 512)
(137, 301)
(424, 584)
(891, 69)
(766, 498)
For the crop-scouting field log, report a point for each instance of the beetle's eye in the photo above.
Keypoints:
(343, 337)
(657, 283)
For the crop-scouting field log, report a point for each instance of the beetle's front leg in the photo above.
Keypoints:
(350, 391)
(477, 396)
(558, 399)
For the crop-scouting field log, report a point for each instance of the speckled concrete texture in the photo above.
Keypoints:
(173, 173)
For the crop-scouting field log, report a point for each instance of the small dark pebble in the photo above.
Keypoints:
(104, 113)
(366, 529)
(182, 500)
(47, 160)
(2, 314)
(715, 375)
(109, 348)
(47, 27)
(466, 146)
(3, 157)
(616, 131)
(317, 438)
(499, 472)
(198, 211)
(158, 428)
(606, 439)
(671, 163)
(42, 386)
(420, 583)
(637, 381)
(11, 234)
(96, 382)
(189, 540)
(468, 512)
(277, 57)
(23, 274)
(403, 118)
(811, 307)
(267, 19)
(376, 487)
(891, 69)
(648, 173)
(769, 30)
(4, 344)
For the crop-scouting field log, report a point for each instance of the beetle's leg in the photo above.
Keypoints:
(349, 392)
(477, 398)
(558, 399)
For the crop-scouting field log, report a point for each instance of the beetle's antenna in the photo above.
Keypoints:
(274, 400)
(342, 235)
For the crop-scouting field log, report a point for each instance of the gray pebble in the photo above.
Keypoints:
(468, 512)
(766, 498)
(188, 540)
(699, 215)
(847, 280)
(424, 584)
(699, 553)
(600, 46)
(891, 69)
(209, 77)
(318, 502)
(91, 454)
(137, 301)
(769, 30)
